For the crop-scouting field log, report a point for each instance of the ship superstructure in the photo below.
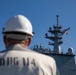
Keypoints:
(56, 36)
(65, 61)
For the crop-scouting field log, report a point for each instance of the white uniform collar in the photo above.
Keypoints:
(16, 47)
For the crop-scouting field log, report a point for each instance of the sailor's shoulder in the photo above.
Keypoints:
(42, 56)
(2, 51)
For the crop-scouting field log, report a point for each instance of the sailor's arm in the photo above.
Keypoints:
(55, 69)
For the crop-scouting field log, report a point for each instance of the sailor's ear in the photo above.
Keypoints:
(5, 40)
(29, 41)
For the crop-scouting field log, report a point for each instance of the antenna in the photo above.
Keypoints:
(57, 19)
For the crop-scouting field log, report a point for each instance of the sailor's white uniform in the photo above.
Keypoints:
(19, 61)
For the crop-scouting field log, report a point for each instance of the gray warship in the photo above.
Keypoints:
(65, 61)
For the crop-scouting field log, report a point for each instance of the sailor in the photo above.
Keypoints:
(17, 59)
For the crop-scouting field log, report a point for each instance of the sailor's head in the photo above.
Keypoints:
(17, 28)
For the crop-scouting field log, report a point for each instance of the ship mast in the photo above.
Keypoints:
(56, 37)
